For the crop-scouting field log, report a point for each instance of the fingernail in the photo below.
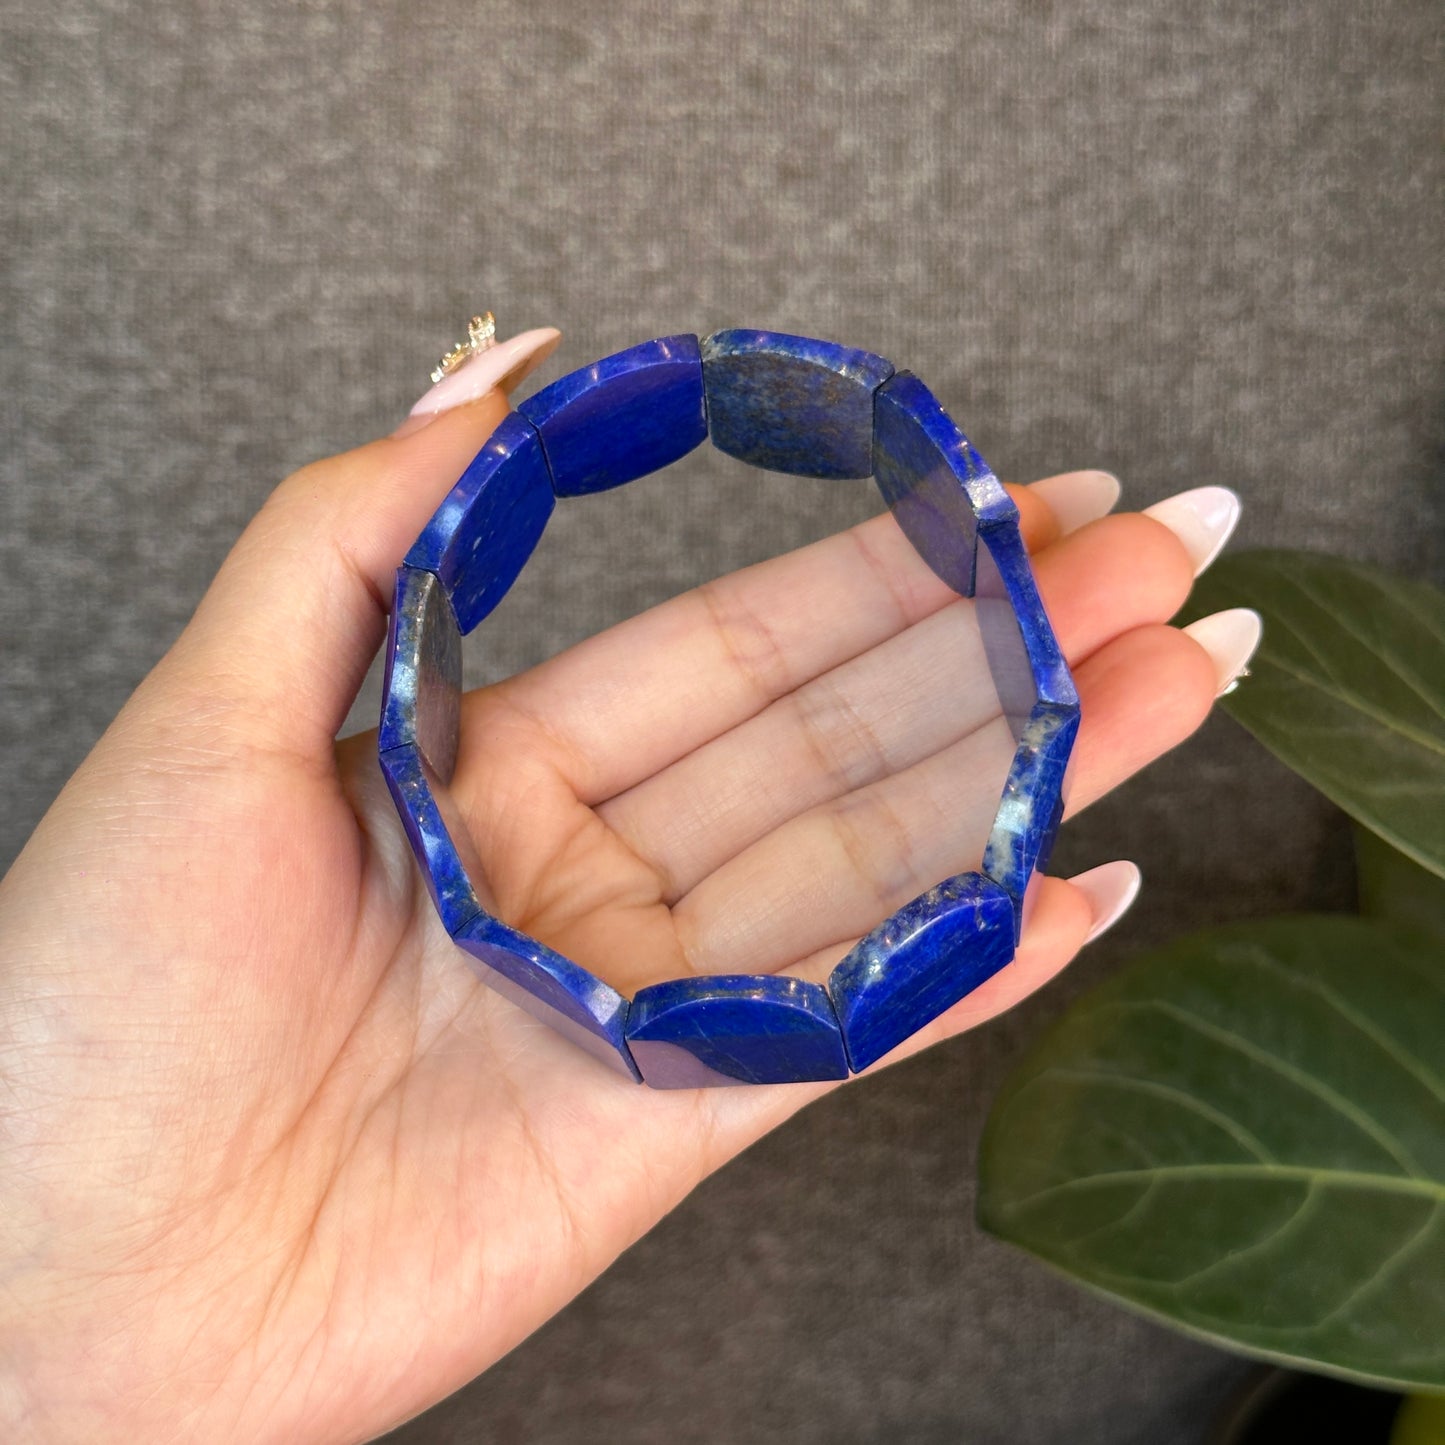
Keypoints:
(504, 365)
(1078, 497)
(1230, 638)
(1110, 889)
(1201, 519)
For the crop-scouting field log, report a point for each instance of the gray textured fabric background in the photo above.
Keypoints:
(1187, 242)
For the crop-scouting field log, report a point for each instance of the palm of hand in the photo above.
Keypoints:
(289, 1159)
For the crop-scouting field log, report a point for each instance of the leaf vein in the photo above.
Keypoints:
(1304, 1174)
(1395, 1050)
(1373, 645)
(1342, 695)
(1232, 1256)
(1242, 1136)
(1391, 1262)
(1322, 1091)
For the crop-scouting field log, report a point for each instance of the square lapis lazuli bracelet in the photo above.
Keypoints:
(789, 404)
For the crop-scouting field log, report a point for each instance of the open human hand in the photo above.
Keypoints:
(273, 1165)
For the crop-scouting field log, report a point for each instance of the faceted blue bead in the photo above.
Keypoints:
(438, 837)
(480, 537)
(422, 689)
(622, 417)
(1023, 654)
(553, 989)
(791, 403)
(938, 488)
(919, 962)
(1032, 804)
(735, 1029)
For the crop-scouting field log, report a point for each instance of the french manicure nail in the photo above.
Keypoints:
(1201, 519)
(1110, 889)
(1230, 638)
(1078, 497)
(504, 365)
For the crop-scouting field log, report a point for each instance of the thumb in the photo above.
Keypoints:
(281, 642)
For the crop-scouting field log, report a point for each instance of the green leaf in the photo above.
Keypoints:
(1244, 1134)
(1396, 889)
(1348, 686)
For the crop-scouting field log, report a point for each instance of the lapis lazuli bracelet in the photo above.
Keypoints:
(789, 404)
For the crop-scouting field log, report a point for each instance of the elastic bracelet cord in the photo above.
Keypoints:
(789, 404)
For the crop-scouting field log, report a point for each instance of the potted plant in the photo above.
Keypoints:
(1243, 1134)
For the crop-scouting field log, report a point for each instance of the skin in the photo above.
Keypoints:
(273, 1166)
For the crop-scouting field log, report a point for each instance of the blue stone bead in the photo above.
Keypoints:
(1047, 838)
(938, 488)
(1023, 654)
(622, 417)
(791, 403)
(1032, 804)
(422, 689)
(438, 836)
(553, 989)
(919, 962)
(735, 1029)
(480, 537)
